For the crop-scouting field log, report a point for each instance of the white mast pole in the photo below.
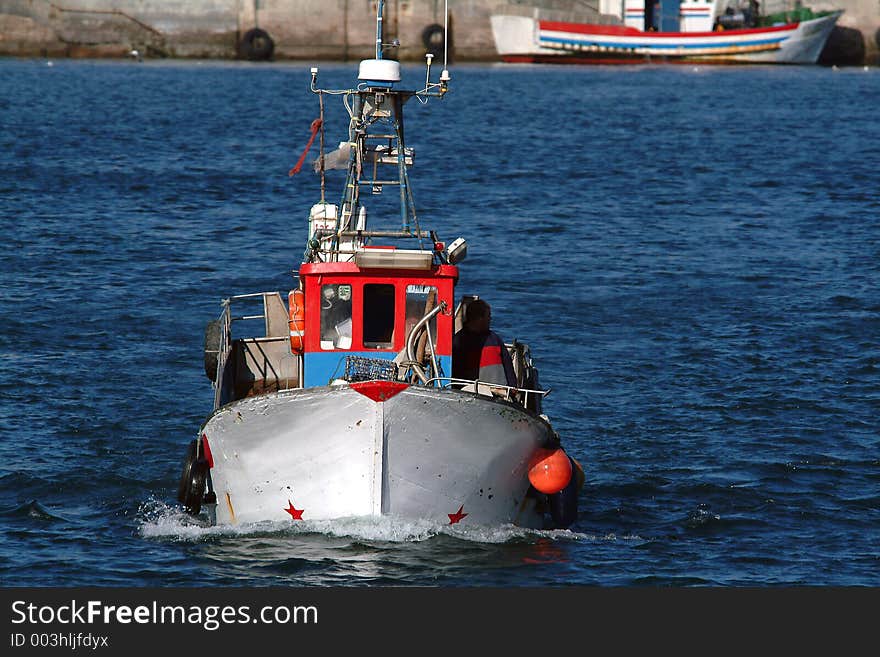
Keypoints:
(379, 7)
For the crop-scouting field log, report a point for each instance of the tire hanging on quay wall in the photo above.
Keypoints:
(433, 37)
(256, 45)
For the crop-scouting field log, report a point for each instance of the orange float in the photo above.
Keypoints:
(550, 470)
(296, 302)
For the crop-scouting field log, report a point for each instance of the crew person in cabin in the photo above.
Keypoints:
(478, 352)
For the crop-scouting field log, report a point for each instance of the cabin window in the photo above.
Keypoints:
(420, 300)
(378, 316)
(336, 316)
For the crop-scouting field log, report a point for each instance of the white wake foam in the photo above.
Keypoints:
(158, 520)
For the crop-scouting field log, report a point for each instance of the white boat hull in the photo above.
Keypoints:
(524, 39)
(443, 456)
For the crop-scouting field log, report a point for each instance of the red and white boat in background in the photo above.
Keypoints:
(685, 31)
(340, 402)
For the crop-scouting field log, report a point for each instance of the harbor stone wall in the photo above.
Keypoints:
(314, 30)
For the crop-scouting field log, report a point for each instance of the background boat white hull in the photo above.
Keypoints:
(519, 38)
(332, 452)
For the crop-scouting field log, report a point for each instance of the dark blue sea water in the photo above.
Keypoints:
(692, 253)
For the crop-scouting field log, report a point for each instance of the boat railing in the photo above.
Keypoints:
(770, 7)
(263, 356)
(489, 389)
(414, 334)
(223, 348)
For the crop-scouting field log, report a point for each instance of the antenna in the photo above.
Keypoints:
(444, 75)
(441, 87)
(428, 58)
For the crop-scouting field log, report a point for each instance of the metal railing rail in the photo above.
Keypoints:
(508, 390)
(223, 355)
(226, 321)
(410, 343)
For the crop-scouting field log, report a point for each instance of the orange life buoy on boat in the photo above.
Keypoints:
(296, 302)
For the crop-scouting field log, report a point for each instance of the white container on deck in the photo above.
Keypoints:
(322, 216)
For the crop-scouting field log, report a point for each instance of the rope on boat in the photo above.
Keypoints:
(316, 125)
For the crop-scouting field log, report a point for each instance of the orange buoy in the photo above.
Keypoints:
(550, 470)
(296, 302)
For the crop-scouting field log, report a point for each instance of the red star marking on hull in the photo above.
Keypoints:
(296, 514)
(457, 516)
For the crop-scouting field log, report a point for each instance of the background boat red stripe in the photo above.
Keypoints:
(617, 30)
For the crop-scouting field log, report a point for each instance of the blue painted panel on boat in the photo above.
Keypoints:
(444, 365)
(669, 15)
(321, 367)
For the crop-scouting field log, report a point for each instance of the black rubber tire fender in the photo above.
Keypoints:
(256, 45)
(196, 491)
(193, 478)
(564, 504)
(433, 37)
(212, 348)
(186, 473)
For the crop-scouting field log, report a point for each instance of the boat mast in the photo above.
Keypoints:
(376, 137)
(397, 110)
(380, 7)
